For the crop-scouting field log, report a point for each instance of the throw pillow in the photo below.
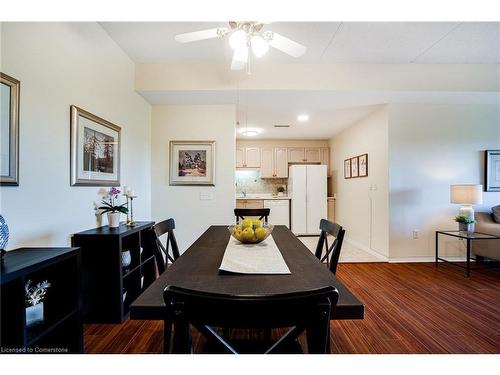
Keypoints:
(496, 213)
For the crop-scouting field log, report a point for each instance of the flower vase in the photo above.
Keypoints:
(467, 228)
(34, 314)
(113, 219)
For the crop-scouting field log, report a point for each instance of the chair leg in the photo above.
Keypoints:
(318, 329)
(167, 333)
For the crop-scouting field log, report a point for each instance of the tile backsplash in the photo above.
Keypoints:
(249, 181)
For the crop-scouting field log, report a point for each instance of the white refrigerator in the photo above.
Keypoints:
(307, 186)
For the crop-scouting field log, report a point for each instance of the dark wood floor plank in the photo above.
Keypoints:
(410, 308)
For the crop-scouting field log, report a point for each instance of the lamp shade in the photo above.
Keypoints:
(466, 194)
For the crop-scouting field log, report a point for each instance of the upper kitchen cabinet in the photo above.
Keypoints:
(304, 155)
(280, 162)
(296, 155)
(247, 157)
(274, 162)
(313, 155)
(325, 158)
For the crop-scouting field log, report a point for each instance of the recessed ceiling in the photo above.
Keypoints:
(327, 42)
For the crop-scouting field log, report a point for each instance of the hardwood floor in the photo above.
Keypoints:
(409, 308)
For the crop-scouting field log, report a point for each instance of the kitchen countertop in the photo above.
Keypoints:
(262, 196)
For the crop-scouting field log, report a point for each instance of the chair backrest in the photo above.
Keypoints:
(165, 227)
(245, 311)
(332, 253)
(242, 213)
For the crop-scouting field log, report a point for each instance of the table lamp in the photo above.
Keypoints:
(466, 195)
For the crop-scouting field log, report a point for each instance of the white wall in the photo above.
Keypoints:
(430, 148)
(192, 215)
(60, 64)
(363, 212)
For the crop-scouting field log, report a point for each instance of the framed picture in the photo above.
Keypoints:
(492, 170)
(354, 167)
(9, 130)
(95, 150)
(192, 163)
(363, 165)
(347, 168)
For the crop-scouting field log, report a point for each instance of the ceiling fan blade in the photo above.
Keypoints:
(286, 45)
(240, 59)
(201, 35)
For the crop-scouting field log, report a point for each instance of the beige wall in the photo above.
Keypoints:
(193, 215)
(362, 204)
(343, 77)
(432, 147)
(60, 64)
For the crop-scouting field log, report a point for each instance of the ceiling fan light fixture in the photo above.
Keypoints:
(259, 45)
(241, 54)
(238, 40)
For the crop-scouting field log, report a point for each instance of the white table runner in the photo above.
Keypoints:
(261, 258)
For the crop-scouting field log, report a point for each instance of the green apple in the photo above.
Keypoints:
(247, 234)
(260, 233)
(247, 223)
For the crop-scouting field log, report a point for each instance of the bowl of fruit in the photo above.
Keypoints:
(250, 231)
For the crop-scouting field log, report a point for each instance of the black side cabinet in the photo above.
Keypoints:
(108, 287)
(61, 330)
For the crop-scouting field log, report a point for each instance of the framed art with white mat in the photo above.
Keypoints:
(95, 150)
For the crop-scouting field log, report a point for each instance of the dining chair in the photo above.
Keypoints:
(332, 253)
(261, 213)
(162, 253)
(204, 310)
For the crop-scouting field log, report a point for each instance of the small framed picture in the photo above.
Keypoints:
(354, 167)
(192, 163)
(347, 168)
(95, 150)
(492, 170)
(363, 165)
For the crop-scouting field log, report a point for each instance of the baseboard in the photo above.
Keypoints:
(426, 259)
(366, 249)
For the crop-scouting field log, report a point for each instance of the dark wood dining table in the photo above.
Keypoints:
(198, 269)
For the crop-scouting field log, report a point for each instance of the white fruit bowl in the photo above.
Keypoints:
(233, 229)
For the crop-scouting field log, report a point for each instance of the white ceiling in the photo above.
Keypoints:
(327, 42)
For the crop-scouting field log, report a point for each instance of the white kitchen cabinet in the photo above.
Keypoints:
(280, 162)
(267, 163)
(325, 158)
(296, 155)
(247, 157)
(240, 157)
(274, 162)
(249, 203)
(252, 157)
(312, 155)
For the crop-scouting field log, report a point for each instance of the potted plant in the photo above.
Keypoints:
(465, 223)
(112, 209)
(34, 301)
(281, 190)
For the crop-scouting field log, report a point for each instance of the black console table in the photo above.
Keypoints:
(469, 237)
(109, 288)
(61, 330)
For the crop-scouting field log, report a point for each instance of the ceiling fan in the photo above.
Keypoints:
(244, 36)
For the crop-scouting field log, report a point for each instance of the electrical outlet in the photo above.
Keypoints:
(416, 234)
